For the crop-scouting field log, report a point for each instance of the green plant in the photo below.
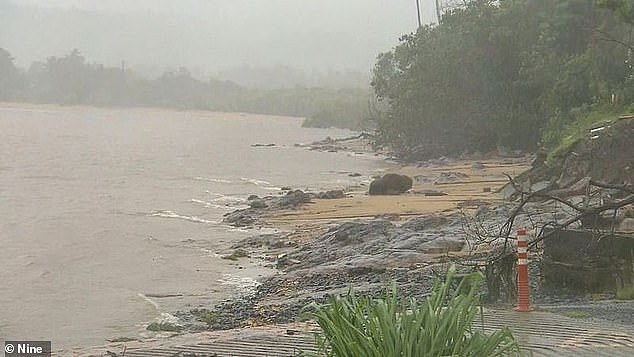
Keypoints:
(163, 326)
(575, 132)
(394, 326)
(625, 292)
(205, 316)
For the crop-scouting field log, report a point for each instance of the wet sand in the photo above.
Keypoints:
(458, 193)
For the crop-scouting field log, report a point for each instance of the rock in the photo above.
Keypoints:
(257, 204)
(391, 184)
(286, 188)
(253, 197)
(356, 232)
(443, 245)
(239, 219)
(486, 189)
(426, 223)
(541, 186)
(356, 174)
(330, 195)
(262, 145)
(294, 198)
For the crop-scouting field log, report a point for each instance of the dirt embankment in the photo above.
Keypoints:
(604, 154)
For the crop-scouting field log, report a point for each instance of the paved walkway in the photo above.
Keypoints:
(542, 333)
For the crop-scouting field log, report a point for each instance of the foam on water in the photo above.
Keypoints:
(242, 285)
(212, 205)
(211, 179)
(255, 181)
(172, 214)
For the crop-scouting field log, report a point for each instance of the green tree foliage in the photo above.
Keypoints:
(9, 76)
(508, 73)
(71, 80)
(623, 8)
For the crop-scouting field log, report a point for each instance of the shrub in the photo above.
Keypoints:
(625, 293)
(394, 326)
(163, 326)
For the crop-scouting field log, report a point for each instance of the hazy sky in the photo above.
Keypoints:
(209, 35)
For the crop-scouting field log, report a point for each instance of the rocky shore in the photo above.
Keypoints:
(334, 241)
(331, 242)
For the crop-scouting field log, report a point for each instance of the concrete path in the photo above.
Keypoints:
(540, 334)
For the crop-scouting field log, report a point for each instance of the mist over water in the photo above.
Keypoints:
(210, 36)
(103, 209)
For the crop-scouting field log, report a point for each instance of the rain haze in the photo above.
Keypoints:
(191, 177)
(209, 36)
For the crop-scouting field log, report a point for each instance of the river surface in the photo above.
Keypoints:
(104, 211)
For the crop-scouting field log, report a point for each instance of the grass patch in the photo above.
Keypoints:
(576, 314)
(625, 293)
(237, 254)
(577, 131)
(395, 326)
(163, 326)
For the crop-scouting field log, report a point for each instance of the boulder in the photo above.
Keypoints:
(294, 198)
(391, 184)
(239, 219)
(258, 203)
(330, 195)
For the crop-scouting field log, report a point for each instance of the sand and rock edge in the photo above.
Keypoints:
(333, 241)
(329, 242)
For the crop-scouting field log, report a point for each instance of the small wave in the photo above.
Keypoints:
(171, 214)
(255, 181)
(225, 206)
(211, 179)
(222, 199)
(243, 285)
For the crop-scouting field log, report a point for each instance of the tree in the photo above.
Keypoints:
(501, 73)
(10, 80)
(624, 9)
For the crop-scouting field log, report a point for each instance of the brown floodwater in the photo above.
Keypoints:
(103, 211)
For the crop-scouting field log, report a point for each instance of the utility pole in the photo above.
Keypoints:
(438, 11)
(418, 12)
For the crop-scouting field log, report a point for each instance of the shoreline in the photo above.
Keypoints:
(313, 263)
(325, 246)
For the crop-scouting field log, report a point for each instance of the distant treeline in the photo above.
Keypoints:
(513, 73)
(71, 80)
